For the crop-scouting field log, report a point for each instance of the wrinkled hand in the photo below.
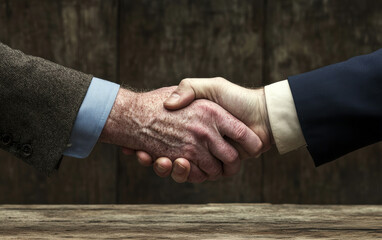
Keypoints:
(248, 105)
(197, 133)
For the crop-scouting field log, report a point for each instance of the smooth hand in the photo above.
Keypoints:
(197, 133)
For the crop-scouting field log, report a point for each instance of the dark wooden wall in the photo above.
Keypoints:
(149, 44)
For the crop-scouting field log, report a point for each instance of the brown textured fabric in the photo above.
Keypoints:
(39, 101)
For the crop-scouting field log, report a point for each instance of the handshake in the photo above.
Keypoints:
(200, 130)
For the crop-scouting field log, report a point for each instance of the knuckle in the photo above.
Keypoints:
(232, 156)
(189, 151)
(185, 82)
(241, 133)
(202, 133)
(214, 173)
(219, 79)
(208, 108)
(259, 147)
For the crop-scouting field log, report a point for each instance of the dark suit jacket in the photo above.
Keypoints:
(340, 106)
(39, 101)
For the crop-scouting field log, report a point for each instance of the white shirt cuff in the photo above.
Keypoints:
(283, 117)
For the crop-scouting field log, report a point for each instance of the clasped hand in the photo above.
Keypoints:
(199, 131)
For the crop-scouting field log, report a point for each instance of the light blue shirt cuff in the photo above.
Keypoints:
(91, 117)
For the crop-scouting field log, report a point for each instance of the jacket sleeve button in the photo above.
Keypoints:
(6, 139)
(26, 150)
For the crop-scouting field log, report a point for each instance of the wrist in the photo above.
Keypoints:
(116, 124)
(264, 116)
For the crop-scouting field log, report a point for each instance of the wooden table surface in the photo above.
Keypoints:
(210, 221)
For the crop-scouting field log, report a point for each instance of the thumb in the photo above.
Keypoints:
(190, 89)
(181, 97)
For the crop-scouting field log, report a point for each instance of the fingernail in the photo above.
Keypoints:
(161, 169)
(173, 98)
(179, 169)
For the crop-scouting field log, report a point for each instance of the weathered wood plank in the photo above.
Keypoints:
(212, 221)
(301, 36)
(165, 41)
(77, 34)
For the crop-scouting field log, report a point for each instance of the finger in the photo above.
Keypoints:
(196, 175)
(211, 166)
(226, 153)
(231, 127)
(242, 153)
(191, 89)
(162, 167)
(181, 170)
(181, 97)
(144, 158)
(127, 151)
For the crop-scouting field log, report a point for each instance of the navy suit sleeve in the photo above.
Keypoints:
(340, 106)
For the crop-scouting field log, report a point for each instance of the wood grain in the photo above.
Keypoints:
(212, 221)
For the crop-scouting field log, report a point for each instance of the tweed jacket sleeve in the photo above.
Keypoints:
(39, 101)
